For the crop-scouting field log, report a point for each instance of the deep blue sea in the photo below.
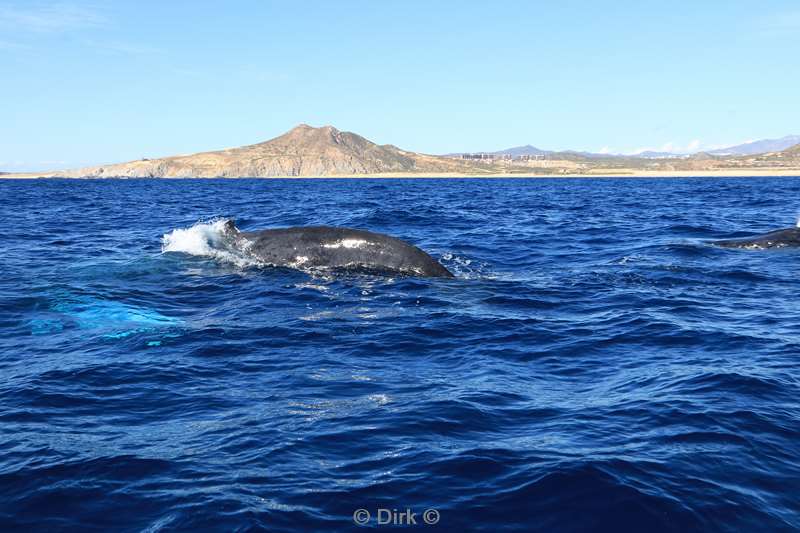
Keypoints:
(595, 365)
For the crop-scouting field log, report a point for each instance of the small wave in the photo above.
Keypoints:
(207, 239)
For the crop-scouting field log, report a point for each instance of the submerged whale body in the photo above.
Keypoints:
(332, 247)
(782, 238)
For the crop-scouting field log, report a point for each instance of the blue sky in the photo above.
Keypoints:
(102, 81)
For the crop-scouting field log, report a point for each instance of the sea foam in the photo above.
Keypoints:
(206, 239)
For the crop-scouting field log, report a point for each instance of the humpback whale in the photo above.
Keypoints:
(334, 247)
(782, 238)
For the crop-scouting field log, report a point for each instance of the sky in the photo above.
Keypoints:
(109, 81)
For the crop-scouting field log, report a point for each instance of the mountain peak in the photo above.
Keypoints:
(302, 151)
(522, 150)
(306, 127)
(303, 134)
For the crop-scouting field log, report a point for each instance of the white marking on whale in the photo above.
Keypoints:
(347, 243)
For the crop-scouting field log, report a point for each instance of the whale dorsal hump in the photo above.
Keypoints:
(230, 227)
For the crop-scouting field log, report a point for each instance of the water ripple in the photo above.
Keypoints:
(595, 365)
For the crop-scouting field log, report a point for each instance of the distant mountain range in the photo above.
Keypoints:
(749, 148)
(651, 154)
(326, 151)
(518, 151)
(760, 147)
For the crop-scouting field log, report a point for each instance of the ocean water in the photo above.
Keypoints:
(594, 366)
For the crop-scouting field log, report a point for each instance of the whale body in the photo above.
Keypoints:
(782, 238)
(335, 247)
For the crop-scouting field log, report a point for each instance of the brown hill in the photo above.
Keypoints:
(303, 151)
(793, 151)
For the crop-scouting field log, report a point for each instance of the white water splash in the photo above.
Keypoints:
(207, 239)
(465, 268)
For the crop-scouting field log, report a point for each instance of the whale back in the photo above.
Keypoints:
(783, 238)
(336, 247)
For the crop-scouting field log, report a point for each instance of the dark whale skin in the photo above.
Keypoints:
(334, 247)
(782, 238)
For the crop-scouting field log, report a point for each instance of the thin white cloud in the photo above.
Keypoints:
(718, 146)
(49, 17)
(668, 147)
(122, 48)
(12, 165)
(33, 166)
(59, 18)
(673, 147)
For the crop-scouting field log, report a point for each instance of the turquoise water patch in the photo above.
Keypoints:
(100, 312)
(45, 326)
(113, 320)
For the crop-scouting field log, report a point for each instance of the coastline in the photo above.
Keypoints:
(612, 173)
